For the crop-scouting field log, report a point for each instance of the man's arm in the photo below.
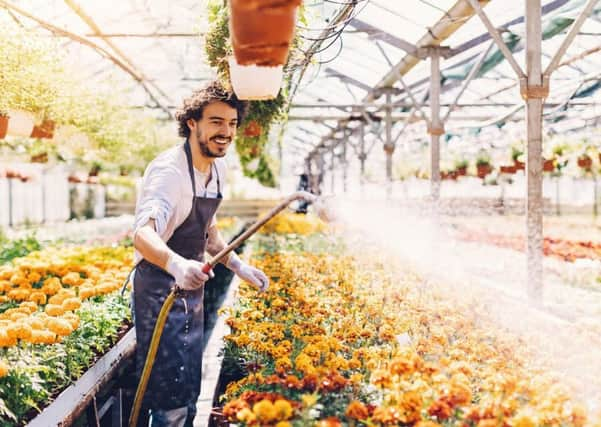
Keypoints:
(187, 273)
(256, 277)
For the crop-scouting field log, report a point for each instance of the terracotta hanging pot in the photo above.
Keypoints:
(44, 130)
(585, 162)
(509, 169)
(262, 30)
(519, 166)
(483, 170)
(3, 126)
(548, 165)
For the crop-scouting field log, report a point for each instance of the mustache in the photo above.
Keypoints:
(220, 136)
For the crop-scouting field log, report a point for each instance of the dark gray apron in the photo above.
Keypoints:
(175, 378)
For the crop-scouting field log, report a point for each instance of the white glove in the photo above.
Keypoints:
(250, 274)
(187, 272)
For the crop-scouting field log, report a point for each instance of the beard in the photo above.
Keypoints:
(204, 146)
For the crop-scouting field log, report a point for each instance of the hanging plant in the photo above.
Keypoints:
(253, 134)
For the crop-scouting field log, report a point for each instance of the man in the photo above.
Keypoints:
(175, 224)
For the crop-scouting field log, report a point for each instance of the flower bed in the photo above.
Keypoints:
(59, 311)
(338, 341)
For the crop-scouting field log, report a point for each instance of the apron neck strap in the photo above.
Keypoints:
(190, 166)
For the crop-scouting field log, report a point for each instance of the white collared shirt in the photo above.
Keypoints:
(166, 192)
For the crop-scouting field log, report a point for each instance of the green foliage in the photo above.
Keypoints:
(92, 123)
(39, 371)
(10, 249)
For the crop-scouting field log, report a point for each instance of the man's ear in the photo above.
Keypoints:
(191, 124)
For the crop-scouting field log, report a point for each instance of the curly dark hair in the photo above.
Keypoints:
(195, 104)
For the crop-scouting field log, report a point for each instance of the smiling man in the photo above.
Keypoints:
(174, 226)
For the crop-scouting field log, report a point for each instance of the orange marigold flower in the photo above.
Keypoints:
(4, 368)
(59, 326)
(440, 409)
(72, 279)
(329, 422)
(54, 310)
(356, 410)
(427, 424)
(488, 422)
(231, 409)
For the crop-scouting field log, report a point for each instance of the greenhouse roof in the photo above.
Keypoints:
(154, 50)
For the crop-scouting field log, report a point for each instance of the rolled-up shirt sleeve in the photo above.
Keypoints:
(158, 197)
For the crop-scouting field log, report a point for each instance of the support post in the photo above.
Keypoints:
(388, 145)
(362, 155)
(332, 178)
(436, 128)
(533, 90)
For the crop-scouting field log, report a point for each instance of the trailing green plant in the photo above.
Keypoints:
(253, 134)
(11, 249)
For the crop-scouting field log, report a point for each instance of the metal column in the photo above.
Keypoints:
(533, 93)
(388, 144)
(362, 154)
(436, 127)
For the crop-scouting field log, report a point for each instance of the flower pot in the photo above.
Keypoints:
(3, 126)
(262, 30)
(548, 165)
(44, 130)
(519, 166)
(483, 170)
(252, 129)
(252, 82)
(509, 170)
(585, 162)
(461, 171)
(39, 158)
(20, 123)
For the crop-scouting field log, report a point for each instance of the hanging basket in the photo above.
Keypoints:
(44, 130)
(509, 169)
(255, 83)
(519, 166)
(262, 30)
(3, 126)
(585, 162)
(483, 170)
(548, 165)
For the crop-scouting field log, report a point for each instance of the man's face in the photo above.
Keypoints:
(216, 129)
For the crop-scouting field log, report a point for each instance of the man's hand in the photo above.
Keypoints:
(250, 274)
(187, 273)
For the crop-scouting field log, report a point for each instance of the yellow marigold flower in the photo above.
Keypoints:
(29, 306)
(51, 286)
(17, 315)
(18, 294)
(35, 323)
(283, 424)
(54, 309)
(246, 415)
(283, 409)
(4, 368)
(427, 424)
(86, 292)
(38, 297)
(309, 399)
(42, 337)
(59, 326)
(71, 304)
(524, 420)
(265, 411)
(73, 319)
(72, 279)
